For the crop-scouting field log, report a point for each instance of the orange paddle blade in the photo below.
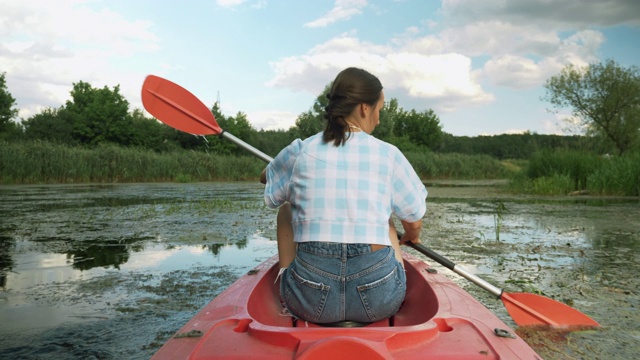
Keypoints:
(177, 107)
(531, 309)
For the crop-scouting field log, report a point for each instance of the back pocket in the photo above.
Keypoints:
(305, 298)
(382, 298)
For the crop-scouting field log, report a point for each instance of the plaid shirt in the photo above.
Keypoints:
(347, 193)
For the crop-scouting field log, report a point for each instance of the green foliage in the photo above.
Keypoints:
(513, 146)
(151, 134)
(240, 127)
(564, 172)
(604, 98)
(498, 217)
(7, 110)
(312, 121)
(384, 130)
(619, 175)
(422, 129)
(430, 165)
(99, 115)
(272, 141)
(54, 125)
(574, 164)
(44, 162)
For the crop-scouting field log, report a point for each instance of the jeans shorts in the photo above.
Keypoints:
(332, 282)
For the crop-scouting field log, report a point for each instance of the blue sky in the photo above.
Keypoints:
(479, 64)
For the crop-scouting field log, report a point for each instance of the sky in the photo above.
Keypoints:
(480, 65)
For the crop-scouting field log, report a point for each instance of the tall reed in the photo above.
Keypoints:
(44, 162)
(617, 176)
(563, 172)
(456, 166)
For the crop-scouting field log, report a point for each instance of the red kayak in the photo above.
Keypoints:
(438, 320)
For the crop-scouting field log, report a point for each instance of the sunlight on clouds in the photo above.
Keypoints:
(50, 45)
(315, 69)
(447, 80)
(518, 71)
(342, 10)
(581, 48)
(521, 56)
(432, 76)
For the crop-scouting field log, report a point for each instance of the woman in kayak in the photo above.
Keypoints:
(338, 249)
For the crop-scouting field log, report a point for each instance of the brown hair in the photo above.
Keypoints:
(351, 87)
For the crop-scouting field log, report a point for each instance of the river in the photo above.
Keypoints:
(111, 271)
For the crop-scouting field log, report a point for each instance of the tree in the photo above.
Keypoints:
(389, 112)
(7, 110)
(422, 128)
(604, 98)
(312, 122)
(149, 133)
(55, 125)
(100, 115)
(237, 125)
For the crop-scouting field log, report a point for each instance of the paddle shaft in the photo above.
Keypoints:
(457, 269)
(262, 156)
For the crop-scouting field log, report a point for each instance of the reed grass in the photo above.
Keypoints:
(564, 172)
(43, 162)
(617, 176)
(546, 173)
(430, 165)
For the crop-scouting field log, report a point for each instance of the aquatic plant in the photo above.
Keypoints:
(500, 210)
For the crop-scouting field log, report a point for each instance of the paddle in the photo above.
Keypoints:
(525, 308)
(180, 109)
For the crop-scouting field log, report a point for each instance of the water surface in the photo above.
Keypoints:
(112, 271)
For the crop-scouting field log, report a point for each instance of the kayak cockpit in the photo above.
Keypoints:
(420, 303)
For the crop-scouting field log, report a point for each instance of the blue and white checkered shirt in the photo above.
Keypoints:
(347, 193)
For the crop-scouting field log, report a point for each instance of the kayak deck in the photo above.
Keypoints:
(438, 320)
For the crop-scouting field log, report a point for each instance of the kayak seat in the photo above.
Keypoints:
(344, 324)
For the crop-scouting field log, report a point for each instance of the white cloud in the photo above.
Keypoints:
(46, 46)
(552, 15)
(342, 10)
(272, 119)
(445, 80)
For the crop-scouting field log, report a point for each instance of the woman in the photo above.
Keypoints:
(339, 254)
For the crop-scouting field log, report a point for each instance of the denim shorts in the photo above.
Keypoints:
(332, 282)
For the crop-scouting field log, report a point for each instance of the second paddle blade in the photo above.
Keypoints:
(531, 309)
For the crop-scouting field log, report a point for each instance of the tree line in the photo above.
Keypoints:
(604, 98)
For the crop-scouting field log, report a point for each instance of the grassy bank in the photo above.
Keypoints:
(545, 173)
(42, 162)
(566, 172)
(457, 166)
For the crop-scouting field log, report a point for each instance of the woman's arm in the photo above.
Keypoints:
(263, 176)
(411, 231)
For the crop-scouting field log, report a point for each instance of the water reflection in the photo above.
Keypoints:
(101, 226)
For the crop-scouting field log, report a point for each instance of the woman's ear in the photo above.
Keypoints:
(363, 110)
